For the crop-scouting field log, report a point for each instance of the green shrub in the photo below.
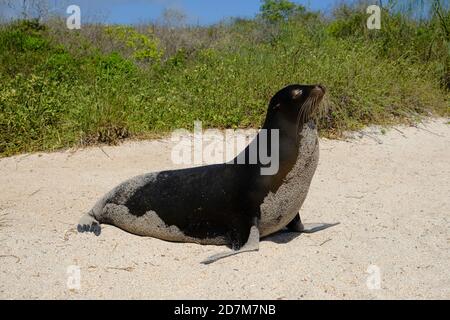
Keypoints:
(279, 10)
(104, 84)
(114, 65)
(144, 47)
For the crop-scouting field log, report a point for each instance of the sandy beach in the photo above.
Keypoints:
(390, 192)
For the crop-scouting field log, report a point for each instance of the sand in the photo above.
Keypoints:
(390, 192)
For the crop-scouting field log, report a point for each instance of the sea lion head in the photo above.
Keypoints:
(293, 106)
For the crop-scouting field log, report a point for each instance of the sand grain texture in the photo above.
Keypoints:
(390, 192)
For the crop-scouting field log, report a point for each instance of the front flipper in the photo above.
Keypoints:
(296, 225)
(252, 244)
(314, 227)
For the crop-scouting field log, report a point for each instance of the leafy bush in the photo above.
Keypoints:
(144, 47)
(114, 65)
(105, 83)
(279, 10)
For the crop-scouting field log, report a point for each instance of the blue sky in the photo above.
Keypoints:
(198, 11)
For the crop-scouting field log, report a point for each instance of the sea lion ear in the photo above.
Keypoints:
(297, 93)
(277, 106)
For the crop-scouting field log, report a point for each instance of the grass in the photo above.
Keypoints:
(61, 88)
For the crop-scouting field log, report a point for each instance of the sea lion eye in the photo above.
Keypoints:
(296, 93)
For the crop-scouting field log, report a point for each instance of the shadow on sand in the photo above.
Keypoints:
(282, 237)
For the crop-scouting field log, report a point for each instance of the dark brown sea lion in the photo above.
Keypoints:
(230, 203)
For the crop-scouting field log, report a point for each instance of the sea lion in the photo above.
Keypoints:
(230, 203)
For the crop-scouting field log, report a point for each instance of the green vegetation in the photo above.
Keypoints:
(279, 10)
(100, 84)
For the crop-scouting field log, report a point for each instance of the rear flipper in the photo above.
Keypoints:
(88, 223)
(296, 225)
(252, 244)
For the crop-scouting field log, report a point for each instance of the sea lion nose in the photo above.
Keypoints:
(321, 87)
